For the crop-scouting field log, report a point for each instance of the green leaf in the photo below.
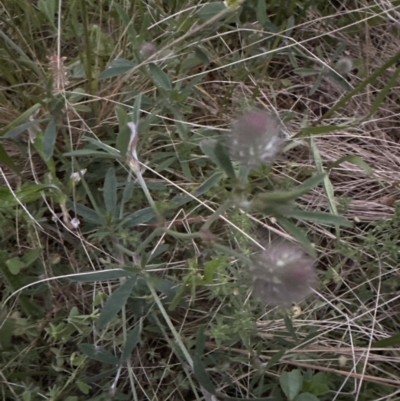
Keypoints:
(290, 328)
(132, 340)
(306, 72)
(12, 134)
(297, 233)
(212, 181)
(320, 217)
(200, 341)
(306, 397)
(139, 217)
(48, 8)
(275, 358)
(7, 160)
(210, 10)
(110, 192)
(159, 77)
(98, 353)
(89, 152)
(217, 153)
(224, 160)
(15, 265)
(326, 129)
(49, 140)
(91, 277)
(31, 256)
(115, 303)
(387, 342)
(88, 214)
(357, 160)
(261, 12)
(291, 383)
(202, 376)
(116, 68)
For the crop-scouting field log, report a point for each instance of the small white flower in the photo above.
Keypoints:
(75, 223)
(76, 177)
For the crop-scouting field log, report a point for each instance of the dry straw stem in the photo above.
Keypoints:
(368, 378)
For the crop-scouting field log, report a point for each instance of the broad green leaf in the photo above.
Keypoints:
(306, 397)
(291, 383)
(115, 303)
(357, 160)
(15, 265)
(7, 160)
(49, 140)
(128, 192)
(110, 192)
(320, 217)
(159, 77)
(91, 277)
(202, 376)
(116, 68)
(98, 353)
(132, 340)
(387, 342)
(298, 234)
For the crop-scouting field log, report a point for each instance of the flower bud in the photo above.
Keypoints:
(283, 274)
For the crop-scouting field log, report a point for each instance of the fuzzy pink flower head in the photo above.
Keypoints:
(255, 138)
(283, 274)
(148, 49)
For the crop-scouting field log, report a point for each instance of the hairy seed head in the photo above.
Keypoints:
(283, 274)
(255, 138)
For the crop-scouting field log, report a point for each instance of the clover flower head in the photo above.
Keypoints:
(344, 65)
(283, 274)
(255, 138)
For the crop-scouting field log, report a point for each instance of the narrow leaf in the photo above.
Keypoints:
(387, 342)
(98, 353)
(49, 140)
(115, 303)
(132, 340)
(110, 192)
(159, 77)
(320, 217)
(117, 68)
(6, 160)
(202, 376)
(357, 160)
(224, 160)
